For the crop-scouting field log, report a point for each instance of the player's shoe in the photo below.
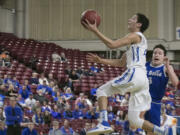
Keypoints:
(162, 130)
(101, 128)
(166, 130)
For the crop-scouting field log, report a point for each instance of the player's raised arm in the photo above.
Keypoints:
(129, 39)
(113, 62)
(170, 71)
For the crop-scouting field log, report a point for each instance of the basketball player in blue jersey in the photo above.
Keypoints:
(133, 80)
(159, 71)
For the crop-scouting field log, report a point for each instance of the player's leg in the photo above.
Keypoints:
(133, 128)
(139, 102)
(102, 93)
(102, 102)
(156, 130)
(153, 115)
(136, 120)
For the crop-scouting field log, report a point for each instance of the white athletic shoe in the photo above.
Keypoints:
(162, 130)
(166, 130)
(100, 129)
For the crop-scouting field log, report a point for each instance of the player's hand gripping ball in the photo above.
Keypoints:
(92, 16)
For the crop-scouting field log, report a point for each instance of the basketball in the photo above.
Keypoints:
(92, 16)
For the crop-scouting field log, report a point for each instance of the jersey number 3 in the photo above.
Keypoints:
(150, 80)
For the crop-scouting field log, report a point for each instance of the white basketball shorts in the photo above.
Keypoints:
(133, 80)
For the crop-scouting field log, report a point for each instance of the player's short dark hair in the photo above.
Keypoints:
(161, 47)
(144, 21)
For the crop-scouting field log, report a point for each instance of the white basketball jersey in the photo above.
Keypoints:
(136, 53)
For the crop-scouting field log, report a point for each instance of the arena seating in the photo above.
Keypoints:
(23, 49)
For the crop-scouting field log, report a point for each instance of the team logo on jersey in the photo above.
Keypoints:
(155, 73)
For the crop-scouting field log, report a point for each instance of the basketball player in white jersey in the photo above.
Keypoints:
(133, 80)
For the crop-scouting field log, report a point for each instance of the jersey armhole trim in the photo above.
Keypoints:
(164, 70)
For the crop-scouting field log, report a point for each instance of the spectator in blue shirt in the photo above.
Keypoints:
(169, 109)
(67, 114)
(77, 113)
(15, 83)
(46, 106)
(82, 104)
(66, 129)
(91, 114)
(29, 130)
(13, 115)
(68, 94)
(45, 88)
(34, 80)
(38, 117)
(94, 69)
(20, 101)
(24, 92)
(111, 115)
(126, 127)
(93, 92)
(55, 113)
(53, 85)
(7, 79)
(26, 83)
(56, 96)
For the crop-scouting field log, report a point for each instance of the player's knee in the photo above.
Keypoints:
(101, 93)
(135, 120)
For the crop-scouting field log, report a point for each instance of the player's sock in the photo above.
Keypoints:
(157, 130)
(103, 116)
(131, 132)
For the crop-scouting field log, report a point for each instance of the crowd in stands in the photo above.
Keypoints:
(48, 106)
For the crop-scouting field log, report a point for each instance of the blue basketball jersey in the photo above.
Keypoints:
(157, 81)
